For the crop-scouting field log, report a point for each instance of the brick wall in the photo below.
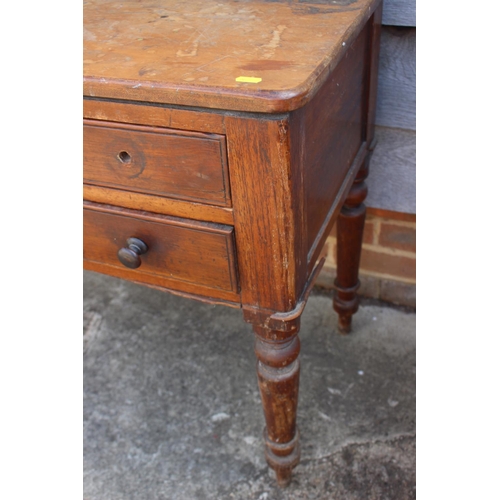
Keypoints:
(388, 258)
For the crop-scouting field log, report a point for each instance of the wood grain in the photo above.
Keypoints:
(268, 199)
(351, 220)
(278, 371)
(371, 78)
(158, 204)
(296, 138)
(154, 115)
(396, 105)
(195, 253)
(392, 182)
(400, 13)
(333, 139)
(191, 53)
(350, 226)
(158, 161)
(197, 291)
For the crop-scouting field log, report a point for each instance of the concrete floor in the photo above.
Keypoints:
(172, 410)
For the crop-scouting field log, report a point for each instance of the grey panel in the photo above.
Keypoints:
(399, 13)
(392, 182)
(396, 101)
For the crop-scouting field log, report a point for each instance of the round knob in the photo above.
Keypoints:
(129, 256)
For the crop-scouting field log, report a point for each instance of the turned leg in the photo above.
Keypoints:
(278, 373)
(350, 225)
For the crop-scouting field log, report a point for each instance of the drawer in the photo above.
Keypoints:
(160, 161)
(195, 257)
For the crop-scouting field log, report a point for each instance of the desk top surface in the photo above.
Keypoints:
(265, 56)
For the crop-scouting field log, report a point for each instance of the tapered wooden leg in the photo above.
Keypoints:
(278, 374)
(350, 225)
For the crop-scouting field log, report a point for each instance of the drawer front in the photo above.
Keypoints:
(160, 161)
(181, 254)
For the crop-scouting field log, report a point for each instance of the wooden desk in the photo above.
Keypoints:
(222, 139)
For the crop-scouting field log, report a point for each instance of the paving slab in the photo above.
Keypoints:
(172, 409)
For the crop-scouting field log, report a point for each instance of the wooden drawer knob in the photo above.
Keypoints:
(129, 256)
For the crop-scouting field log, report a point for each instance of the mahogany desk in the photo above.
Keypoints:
(222, 139)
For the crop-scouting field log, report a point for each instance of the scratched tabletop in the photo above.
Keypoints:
(266, 56)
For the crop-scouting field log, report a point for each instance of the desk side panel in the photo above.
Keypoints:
(334, 144)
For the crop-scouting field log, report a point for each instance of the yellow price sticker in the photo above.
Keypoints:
(248, 79)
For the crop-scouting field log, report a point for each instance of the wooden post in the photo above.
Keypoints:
(350, 226)
(351, 220)
(278, 374)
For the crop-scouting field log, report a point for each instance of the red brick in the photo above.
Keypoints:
(399, 237)
(393, 265)
(368, 233)
(389, 214)
(396, 292)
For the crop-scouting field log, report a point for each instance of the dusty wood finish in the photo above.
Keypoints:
(350, 223)
(298, 142)
(180, 250)
(330, 166)
(290, 46)
(328, 162)
(196, 291)
(283, 321)
(278, 371)
(155, 116)
(372, 76)
(267, 194)
(158, 204)
(336, 206)
(158, 161)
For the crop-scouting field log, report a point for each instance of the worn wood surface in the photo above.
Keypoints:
(350, 226)
(371, 76)
(351, 220)
(396, 104)
(290, 166)
(267, 200)
(154, 116)
(192, 53)
(400, 13)
(278, 371)
(158, 161)
(331, 160)
(328, 156)
(158, 204)
(178, 250)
